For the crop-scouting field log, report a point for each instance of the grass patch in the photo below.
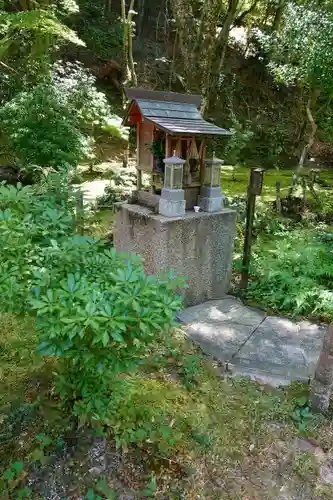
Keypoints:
(19, 362)
(99, 223)
(306, 466)
(236, 183)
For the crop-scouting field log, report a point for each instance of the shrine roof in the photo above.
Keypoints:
(177, 114)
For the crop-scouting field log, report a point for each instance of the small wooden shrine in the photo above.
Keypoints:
(169, 130)
(179, 222)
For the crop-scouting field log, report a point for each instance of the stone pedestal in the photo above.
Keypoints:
(211, 199)
(198, 246)
(172, 202)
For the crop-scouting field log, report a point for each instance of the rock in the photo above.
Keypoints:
(326, 472)
(97, 456)
(9, 175)
(306, 445)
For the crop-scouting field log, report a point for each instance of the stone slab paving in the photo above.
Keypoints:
(270, 348)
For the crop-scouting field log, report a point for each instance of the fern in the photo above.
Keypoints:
(295, 276)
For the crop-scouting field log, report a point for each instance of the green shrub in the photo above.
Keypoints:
(122, 183)
(148, 413)
(29, 122)
(29, 220)
(242, 135)
(266, 221)
(90, 108)
(67, 103)
(98, 311)
(322, 209)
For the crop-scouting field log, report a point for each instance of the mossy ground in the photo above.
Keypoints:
(235, 437)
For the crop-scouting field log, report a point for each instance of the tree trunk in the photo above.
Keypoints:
(125, 40)
(321, 388)
(302, 131)
(278, 15)
(107, 7)
(130, 43)
(172, 65)
(187, 35)
(210, 90)
(141, 7)
(206, 46)
(240, 20)
(278, 198)
(309, 109)
(127, 20)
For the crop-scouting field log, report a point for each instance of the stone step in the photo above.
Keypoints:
(275, 376)
(272, 349)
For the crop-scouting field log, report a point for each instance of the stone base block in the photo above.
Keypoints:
(211, 192)
(211, 199)
(170, 208)
(148, 199)
(211, 204)
(172, 194)
(197, 246)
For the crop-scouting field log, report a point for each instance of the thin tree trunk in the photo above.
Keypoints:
(141, 10)
(210, 91)
(125, 40)
(172, 66)
(127, 20)
(309, 108)
(278, 198)
(130, 43)
(201, 29)
(107, 7)
(278, 15)
(321, 388)
(224, 35)
(183, 15)
(302, 131)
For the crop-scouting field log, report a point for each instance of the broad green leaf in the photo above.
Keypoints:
(90, 495)
(105, 338)
(117, 336)
(71, 283)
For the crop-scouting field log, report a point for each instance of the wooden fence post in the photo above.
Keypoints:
(80, 212)
(254, 189)
(278, 197)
